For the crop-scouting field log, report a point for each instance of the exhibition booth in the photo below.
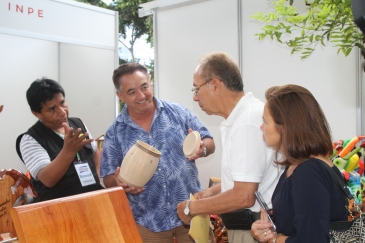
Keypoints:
(77, 45)
(186, 30)
(225, 25)
(37, 40)
(64, 40)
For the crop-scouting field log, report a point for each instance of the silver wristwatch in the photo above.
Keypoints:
(204, 152)
(187, 209)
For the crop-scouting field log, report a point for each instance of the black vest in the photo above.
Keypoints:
(70, 183)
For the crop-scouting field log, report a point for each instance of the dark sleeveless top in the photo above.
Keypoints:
(70, 183)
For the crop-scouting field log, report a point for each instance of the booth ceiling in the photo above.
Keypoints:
(147, 8)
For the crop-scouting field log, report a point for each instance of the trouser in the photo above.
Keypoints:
(181, 233)
(243, 236)
(240, 236)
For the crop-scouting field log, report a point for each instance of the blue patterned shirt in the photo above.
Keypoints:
(175, 177)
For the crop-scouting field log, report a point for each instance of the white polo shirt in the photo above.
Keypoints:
(245, 157)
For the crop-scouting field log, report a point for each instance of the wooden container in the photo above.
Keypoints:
(7, 198)
(98, 216)
(100, 142)
(191, 144)
(13, 186)
(139, 164)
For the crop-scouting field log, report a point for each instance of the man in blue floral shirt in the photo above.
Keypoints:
(163, 125)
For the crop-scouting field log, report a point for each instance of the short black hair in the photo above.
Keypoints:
(41, 91)
(127, 68)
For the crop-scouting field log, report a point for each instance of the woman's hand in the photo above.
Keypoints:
(261, 229)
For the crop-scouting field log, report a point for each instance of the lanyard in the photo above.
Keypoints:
(63, 137)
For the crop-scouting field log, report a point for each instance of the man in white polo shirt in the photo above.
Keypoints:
(247, 164)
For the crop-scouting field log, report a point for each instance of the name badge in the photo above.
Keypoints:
(84, 172)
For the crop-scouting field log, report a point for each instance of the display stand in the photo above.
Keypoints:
(98, 216)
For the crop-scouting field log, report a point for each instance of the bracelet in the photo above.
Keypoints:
(276, 237)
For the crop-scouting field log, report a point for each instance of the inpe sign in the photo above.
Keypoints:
(18, 8)
(65, 21)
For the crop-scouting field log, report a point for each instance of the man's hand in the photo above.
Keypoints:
(209, 192)
(203, 194)
(126, 187)
(74, 141)
(180, 212)
(200, 152)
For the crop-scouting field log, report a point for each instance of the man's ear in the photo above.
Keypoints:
(120, 96)
(217, 85)
(36, 114)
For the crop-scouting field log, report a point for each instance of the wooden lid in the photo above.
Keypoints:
(191, 144)
(148, 149)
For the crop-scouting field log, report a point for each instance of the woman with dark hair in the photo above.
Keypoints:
(305, 199)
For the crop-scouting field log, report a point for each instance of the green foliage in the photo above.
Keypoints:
(98, 3)
(129, 20)
(151, 67)
(323, 21)
(121, 105)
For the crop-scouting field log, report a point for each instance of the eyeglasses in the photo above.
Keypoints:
(196, 89)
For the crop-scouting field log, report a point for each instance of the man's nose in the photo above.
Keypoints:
(140, 94)
(62, 111)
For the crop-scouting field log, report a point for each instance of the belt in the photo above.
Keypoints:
(256, 216)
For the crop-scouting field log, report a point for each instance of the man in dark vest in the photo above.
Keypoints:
(58, 150)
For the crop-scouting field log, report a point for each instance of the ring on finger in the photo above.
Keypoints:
(265, 233)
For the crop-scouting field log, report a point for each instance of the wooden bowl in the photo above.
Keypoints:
(139, 164)
(191, 144)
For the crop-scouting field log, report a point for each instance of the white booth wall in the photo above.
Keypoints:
(72, 43)
(184, 33)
